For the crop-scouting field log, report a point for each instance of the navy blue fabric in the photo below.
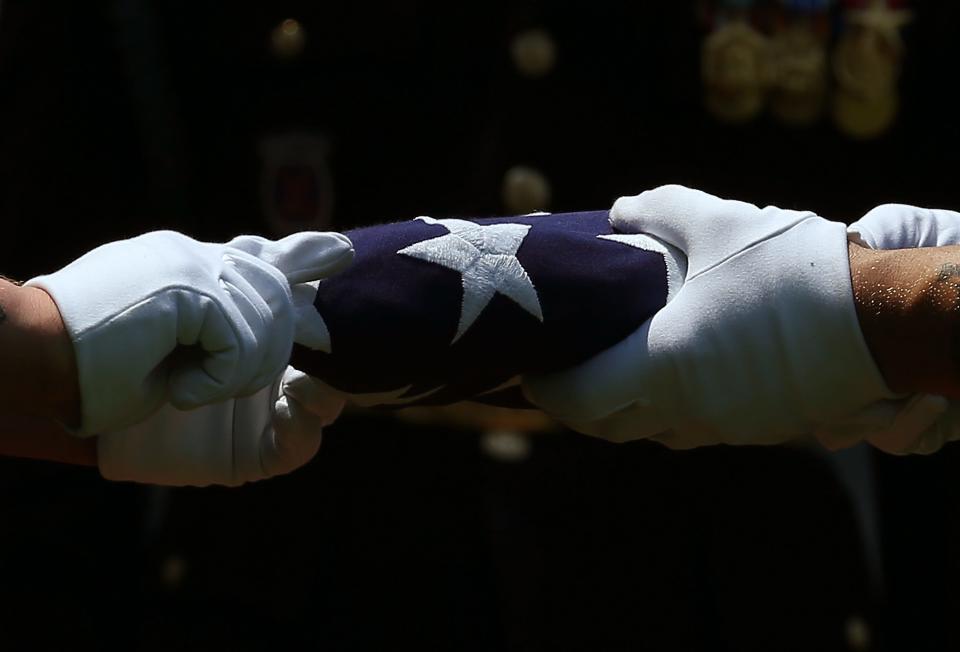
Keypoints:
(392, 317)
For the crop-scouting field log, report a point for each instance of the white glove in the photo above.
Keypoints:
(923, 423)
(760, 345)
(273, 432)
(898, 226)
(129, 305)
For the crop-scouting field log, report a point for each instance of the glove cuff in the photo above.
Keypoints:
(82, 314)
(69, 297)
(833, 366)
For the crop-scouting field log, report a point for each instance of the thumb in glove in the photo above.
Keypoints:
(272, 432)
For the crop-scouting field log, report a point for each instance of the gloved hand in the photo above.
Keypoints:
(898, 226)
(226, 309)
(922, 423)
(760, 345)
(270, 433)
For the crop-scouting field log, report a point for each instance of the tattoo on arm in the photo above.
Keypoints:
(10, 280)
(949, 271)
(3, 314)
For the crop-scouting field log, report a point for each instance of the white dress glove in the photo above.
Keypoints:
(129, 305)
(898, 226)
(760, 345)
(273, 432)
(922, 423)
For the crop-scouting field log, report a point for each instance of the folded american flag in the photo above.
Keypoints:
(435, 311)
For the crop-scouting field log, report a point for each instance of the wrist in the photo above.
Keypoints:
(908, 304)
(54, 372)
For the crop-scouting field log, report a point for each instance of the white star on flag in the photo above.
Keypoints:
(486, 257)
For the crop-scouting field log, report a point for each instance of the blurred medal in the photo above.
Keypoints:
(799, 60)
(735, 69)
(799, 86)
(864, 118)
(866, 66)
(296, 190)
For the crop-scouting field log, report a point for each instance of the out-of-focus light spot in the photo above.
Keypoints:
(858, 634)
(288, 39)
(505, 446)
(534, 52)
(172, 571)
(525, 190)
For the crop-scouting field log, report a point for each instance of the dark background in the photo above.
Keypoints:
(120, 117)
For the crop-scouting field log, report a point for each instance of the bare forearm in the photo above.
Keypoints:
(38, 387)
(908, 302)
(44, 439)
(37, 368)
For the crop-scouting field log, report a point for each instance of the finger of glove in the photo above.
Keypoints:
(172, 448)
(293, 438)
(301, 257)
(945, 430)
(876, 417)
(704, 227)
(920, 420)
(262, 282)
(242, 351)
(310, 330)
(311, 395)
(915, 425)
(899, 226)
(223, 337)
(251, 422)
(267, 308)
(633, 422)
(607, 383)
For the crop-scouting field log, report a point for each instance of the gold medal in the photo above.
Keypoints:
(864, 117)
(867, 63)
(866, 66)
(880, 18)
(735, 71)
(799, 86)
